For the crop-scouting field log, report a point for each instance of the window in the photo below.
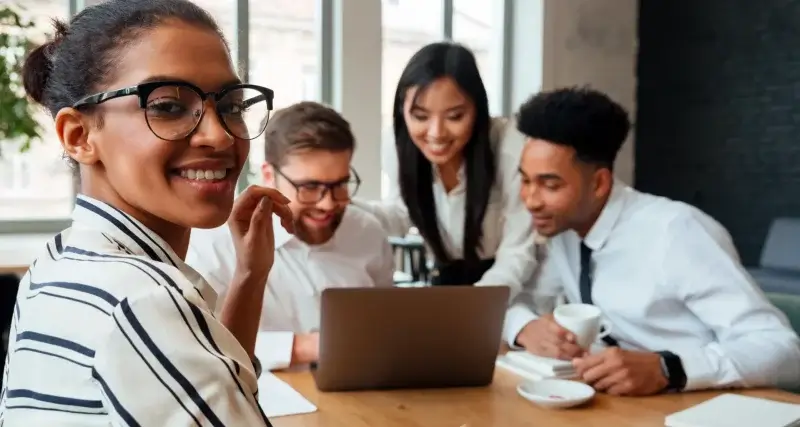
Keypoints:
(472, 27)
(37, 184)
(284, 55)
(408, 25)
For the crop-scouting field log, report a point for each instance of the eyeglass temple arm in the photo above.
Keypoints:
(256, 99)
(102, 97)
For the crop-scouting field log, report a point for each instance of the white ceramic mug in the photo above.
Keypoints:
(583, 320)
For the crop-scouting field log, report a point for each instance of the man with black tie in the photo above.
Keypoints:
(684, 314)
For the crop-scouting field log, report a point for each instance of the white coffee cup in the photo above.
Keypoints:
(583, 320)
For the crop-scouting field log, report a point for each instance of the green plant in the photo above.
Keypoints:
(17, 122)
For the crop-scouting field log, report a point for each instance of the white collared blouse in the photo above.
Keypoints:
(508, 234)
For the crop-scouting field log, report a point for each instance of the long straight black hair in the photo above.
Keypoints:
(433, 62)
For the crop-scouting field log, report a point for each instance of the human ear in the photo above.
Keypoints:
(268, 174)
(75, 132)
(603, 181)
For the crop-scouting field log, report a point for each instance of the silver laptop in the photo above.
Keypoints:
(430, 337)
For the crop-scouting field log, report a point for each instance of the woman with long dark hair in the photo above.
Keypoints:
(454, 176)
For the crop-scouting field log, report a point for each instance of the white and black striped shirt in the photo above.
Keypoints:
(111, 328)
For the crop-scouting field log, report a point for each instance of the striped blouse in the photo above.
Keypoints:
(112, 328)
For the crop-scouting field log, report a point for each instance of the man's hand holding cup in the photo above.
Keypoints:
(544, 337)
(566, 334)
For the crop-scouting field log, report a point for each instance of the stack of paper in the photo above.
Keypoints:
(278, 398)
(733, 410)
(535, 367)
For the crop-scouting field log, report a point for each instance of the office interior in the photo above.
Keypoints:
(712, 89)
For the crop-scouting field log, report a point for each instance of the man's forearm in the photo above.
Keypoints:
(769, 360)
(241, 310)
(517, 316)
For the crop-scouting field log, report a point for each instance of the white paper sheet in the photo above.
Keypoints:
(279, 399)
(733, 410)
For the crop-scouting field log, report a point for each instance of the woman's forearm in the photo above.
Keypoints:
(241, 309)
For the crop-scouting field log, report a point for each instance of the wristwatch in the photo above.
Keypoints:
(673, 369)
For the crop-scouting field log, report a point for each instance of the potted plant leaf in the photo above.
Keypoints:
(18, 127)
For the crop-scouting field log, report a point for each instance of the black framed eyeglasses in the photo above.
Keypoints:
(173, 109)
(311, 192)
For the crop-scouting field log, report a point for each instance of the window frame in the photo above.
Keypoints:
(332, 82)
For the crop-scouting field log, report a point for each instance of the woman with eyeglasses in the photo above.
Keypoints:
(453, 173)
(110, 326)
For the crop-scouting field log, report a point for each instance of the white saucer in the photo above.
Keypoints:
(556, 394)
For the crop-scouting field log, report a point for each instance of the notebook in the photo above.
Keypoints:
(733, 410)
(534, 367)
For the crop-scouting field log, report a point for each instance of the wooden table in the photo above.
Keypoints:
(498, 405)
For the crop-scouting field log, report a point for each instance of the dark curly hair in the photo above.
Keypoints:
(579, 117)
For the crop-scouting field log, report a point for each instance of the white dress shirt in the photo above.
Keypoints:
(507, 226)
(667, 277)
(111, 328)
(358, 255)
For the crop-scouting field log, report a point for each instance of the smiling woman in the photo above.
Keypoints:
(148, 106)
(452, 173)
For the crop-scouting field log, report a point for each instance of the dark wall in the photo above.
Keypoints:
(718, 110)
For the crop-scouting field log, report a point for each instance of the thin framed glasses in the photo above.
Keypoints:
(311, 192)
(173, 109)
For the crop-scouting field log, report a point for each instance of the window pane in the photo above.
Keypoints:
(284, 55)
(407, 26)
(36, 184)
(472, 26)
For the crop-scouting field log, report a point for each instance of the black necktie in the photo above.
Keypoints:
(586, 284)
(586, 274)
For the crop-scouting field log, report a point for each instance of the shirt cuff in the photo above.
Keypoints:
(274, 349)
(701, 374)
(516, 318)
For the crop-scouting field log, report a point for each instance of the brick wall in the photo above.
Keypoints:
(718, 120)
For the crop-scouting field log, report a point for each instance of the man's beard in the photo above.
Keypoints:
(317, 236)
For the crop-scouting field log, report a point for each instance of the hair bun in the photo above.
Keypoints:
(39, 63)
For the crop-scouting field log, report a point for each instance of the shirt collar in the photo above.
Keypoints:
(135, 237)
(462, 177)
(601, 230)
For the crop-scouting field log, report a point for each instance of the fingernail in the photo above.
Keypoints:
(264, 203)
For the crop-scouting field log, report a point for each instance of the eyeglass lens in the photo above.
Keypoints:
(173, 112)
(313, 193)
